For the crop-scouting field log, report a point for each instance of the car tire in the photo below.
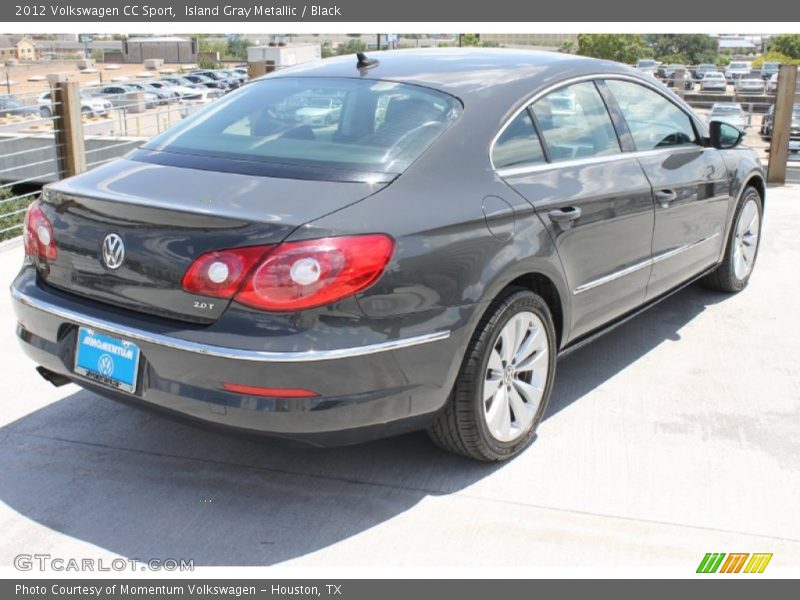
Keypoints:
(468, 425)
(46, 112)
(741, 250)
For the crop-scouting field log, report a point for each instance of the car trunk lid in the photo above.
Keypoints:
(166, 217)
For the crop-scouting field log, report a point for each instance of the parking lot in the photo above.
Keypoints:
(676, 435)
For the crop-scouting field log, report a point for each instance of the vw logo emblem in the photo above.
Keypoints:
(113, 251)
(105, 365)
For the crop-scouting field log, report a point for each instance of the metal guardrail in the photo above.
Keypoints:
(17, 159)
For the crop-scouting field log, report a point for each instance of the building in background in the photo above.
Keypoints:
(17, 47)
(171, 49)
(285, 56)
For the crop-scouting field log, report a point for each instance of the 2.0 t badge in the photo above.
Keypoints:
(113, 251)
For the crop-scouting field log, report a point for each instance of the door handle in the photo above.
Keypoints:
(564, 217)
(664, 197)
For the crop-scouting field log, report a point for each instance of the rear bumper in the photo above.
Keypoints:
(365, 392)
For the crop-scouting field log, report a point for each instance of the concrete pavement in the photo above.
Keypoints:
(675, 435)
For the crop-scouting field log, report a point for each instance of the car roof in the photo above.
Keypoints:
(463, 72)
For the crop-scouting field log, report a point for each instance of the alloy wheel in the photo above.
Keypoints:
(516, 376)
(745, 241)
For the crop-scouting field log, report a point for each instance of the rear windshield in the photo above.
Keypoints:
(316, 123)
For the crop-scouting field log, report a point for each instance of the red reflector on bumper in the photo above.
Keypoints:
(254, 390)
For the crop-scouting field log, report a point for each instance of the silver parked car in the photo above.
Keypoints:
(750, 84)
(728, 112)
(713, 81)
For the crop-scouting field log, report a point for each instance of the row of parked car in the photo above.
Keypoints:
(732, 72)
(712, 78)
(197, 87)
(733, 114)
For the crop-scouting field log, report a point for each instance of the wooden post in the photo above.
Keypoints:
(781, 126)
(68, 126)
(256, 68)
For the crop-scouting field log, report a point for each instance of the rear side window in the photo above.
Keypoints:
(315, 122)
(518, 145)
(575, 124)
(654, 121)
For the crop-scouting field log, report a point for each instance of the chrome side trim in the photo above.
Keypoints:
(166, 341)
(656, 86)
(641, 265)
(612, 276)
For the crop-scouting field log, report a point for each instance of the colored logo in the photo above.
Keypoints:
(737, 562)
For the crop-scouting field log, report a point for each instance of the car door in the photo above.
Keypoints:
(689, 181)
(595, 200)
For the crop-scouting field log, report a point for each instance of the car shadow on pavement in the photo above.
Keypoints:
(145, 487)
(582, 371)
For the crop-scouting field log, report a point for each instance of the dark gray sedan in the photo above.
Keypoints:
(417, 262)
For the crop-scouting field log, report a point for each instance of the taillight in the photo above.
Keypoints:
(300, 275)
(220, 274)
(294, 275)
(38, 236)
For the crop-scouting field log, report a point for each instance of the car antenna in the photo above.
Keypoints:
(364, 62)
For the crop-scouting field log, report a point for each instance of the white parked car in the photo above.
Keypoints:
(647, 66)
(191, 103)
(713, 81)
(737, 69)
(181, 90)
(728, 112)
(91, 106)
(772, 84)
(750, 83)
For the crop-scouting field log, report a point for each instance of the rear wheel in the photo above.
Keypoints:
(504, 384)
(741, 252)
(46, 112)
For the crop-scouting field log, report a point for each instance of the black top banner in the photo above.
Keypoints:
(200, 11)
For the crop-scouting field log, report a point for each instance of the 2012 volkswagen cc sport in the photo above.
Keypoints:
(360, 247)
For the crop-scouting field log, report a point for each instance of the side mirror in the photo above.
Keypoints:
(724, 136)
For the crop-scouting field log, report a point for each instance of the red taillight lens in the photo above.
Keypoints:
(220, 274)
(300, 275)
(38, 236)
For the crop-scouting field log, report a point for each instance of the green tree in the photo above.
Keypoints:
(237, 47)
(470, 39)
(351, 47)
(10, 213)
(691, 48)
(624, 48)
(787, 44)
(775, 57)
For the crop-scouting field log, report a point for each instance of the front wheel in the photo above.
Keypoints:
(741, 252)
(504, 384)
